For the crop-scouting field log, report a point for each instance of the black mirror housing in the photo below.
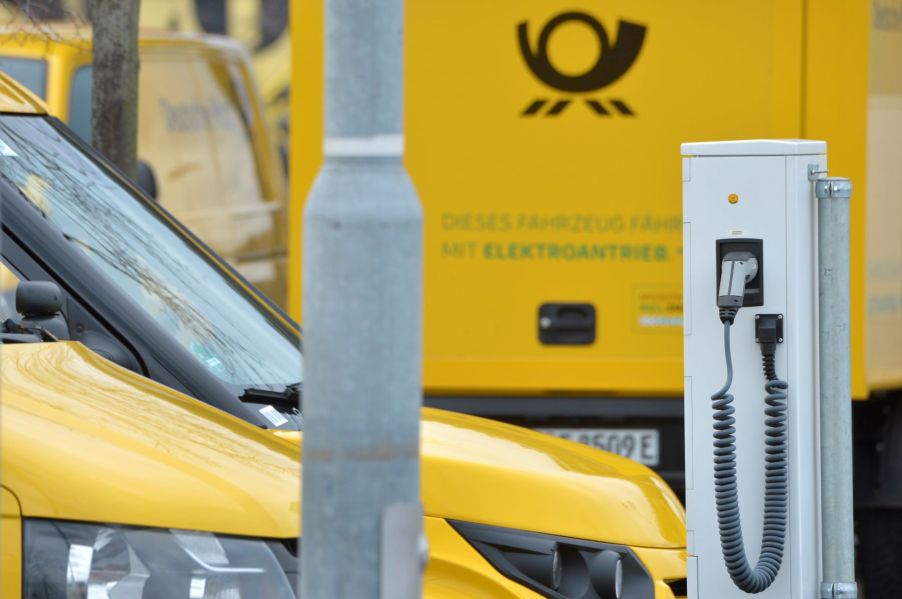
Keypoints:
(41, 303)
(38, 299)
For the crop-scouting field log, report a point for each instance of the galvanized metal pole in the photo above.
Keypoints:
(838, 535)
(362, 319)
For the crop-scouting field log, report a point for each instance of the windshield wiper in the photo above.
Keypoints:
(290, 396)
(33, 329)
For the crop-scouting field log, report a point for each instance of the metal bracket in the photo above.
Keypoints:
(814, 174)
(838, 188)
(839, 590)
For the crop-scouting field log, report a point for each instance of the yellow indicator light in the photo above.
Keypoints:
(733, 198)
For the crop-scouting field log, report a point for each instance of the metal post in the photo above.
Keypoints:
(838, 540)
(362, 317)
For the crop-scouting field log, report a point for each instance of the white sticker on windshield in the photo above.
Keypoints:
(273, 415)
(5, 150)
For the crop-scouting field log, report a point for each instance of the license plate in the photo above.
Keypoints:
(640, 444)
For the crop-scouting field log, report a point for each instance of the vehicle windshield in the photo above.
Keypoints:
(171, 278)
(30, 72)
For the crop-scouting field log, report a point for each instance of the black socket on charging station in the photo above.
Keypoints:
(754, 289)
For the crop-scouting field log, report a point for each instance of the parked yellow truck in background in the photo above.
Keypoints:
(543, 138)
(261, 25)
(202, 133)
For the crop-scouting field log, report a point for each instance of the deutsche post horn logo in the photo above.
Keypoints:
(613, 61)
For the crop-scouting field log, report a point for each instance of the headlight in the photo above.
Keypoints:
(67, 560)
(560, 567)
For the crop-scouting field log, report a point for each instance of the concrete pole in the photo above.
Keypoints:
(362, 274)
(838, 535)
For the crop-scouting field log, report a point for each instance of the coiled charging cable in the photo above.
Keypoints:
(776, 479)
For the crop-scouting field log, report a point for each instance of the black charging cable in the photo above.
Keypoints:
(776, 478)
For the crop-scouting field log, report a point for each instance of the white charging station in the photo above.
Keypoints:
(749, 211)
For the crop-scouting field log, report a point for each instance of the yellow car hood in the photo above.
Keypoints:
(83, 439)
(484, 471)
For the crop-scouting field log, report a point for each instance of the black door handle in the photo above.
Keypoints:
(567, 324)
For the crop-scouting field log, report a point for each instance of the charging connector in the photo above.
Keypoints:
(768, 332)
(737, 269)
(754, 289)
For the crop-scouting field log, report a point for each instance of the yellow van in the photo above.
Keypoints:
(151, 426)
(201, 130)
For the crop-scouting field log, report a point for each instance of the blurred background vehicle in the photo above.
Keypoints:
(203, 140)
(260, 25)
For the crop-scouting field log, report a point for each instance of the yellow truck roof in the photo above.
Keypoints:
(16, 98)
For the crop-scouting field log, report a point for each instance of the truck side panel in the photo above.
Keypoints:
(884, 200)
(542, 139)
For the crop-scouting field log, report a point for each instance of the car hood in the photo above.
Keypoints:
(84, 439)
(484, 471)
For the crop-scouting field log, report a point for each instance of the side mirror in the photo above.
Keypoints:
(38, 299)
(40, 303)
(146, 179)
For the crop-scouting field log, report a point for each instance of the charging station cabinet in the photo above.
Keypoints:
(744, 200)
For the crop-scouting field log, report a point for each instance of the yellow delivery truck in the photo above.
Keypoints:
(205, 148)
(260, 25)
(543, 138)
